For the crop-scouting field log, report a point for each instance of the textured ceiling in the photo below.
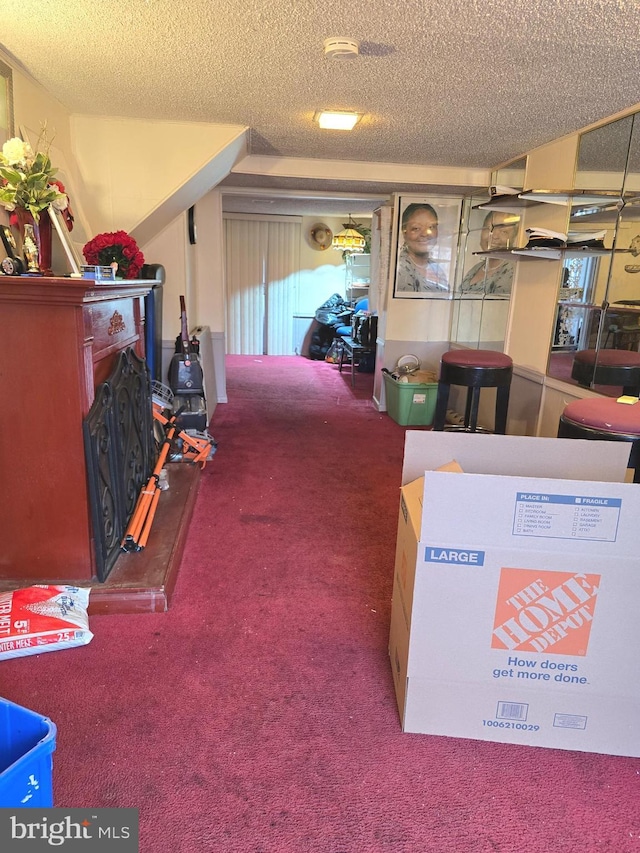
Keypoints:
(458, 83)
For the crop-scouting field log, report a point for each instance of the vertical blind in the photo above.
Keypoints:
(262, 262)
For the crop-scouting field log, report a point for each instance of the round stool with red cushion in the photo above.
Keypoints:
(474, 370)
(608, 367)
(605, 419)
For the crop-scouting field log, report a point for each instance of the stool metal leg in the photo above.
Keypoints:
(473, 405)
(502, 408)
(442, 399)
(467, 408)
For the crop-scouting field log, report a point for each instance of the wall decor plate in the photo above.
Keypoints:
(320, 236)
(407, 364)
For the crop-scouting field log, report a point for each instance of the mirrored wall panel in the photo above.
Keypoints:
(632, 175)
(602, 156)
(511, 175)
(596, 339)
(482, 294)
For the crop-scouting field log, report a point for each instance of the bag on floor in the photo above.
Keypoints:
(43, 619)
(334, 312)
(333, 355)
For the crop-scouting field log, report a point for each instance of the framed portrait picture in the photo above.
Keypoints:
(6, 103)
(426, 231)
(72, 254)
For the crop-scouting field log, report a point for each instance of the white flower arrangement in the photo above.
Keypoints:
(27, 179)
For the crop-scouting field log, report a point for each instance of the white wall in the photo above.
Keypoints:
(322, 273)
(134, 168)
(169, 248)
(35, 109)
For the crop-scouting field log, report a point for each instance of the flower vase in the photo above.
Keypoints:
(30, 250)
(42, 233)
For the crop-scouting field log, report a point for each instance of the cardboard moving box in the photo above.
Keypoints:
(514, 614)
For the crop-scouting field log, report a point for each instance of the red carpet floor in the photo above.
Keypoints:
(258, 714)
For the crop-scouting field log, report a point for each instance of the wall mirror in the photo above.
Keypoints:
(482, 294)
(598, 313)
(602, 156)
(511, 175)
(632, 174)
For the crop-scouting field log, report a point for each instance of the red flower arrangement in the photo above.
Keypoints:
(115, 247)
(67, 213)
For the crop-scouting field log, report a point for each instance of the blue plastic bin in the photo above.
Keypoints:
(27, 742)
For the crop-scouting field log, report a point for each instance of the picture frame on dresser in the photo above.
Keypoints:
(70, 250)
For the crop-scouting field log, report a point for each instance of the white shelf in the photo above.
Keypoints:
(573, 198)
(544, 254)
(505, 204)
(587, 203)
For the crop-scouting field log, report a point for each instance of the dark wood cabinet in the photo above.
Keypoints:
(59, 339)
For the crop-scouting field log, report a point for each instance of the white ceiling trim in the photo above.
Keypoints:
(312, 195)
(356, 170)
(261, 217)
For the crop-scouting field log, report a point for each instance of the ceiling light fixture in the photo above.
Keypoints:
(337, 119)
(350, 240)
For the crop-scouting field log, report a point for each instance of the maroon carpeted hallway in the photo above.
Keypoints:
(258, 715)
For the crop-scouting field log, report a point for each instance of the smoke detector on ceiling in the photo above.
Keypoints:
(338, 47)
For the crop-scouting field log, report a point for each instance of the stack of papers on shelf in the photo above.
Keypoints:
(504, 199)
(543, 238)
(502, 190)
(586, 239)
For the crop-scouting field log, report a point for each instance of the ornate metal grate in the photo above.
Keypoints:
(120, 452)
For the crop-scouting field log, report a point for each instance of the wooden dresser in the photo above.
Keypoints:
(59, 338)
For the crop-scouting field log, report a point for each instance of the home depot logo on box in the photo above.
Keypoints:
(544, 611)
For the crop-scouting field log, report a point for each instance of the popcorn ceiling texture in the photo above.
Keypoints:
(459, 83)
